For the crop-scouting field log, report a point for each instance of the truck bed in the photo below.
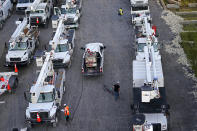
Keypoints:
(155, 104)
(139, 73)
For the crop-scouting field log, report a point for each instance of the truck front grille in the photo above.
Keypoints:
(35, 20)
(69, 21)
(42, 115)
(15, 59)
(56, 61)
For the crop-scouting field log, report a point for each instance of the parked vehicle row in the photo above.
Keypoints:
(150, 107)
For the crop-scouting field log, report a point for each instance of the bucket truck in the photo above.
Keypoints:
(149, 96)
(70, 12)
(6, 8)
(64, 39)
(22, 44)
(39, 12)
(46, 94)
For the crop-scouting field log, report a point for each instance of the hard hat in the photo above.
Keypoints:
(65, 104)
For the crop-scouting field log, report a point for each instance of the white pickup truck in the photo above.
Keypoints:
(6, 8)
(93, 59)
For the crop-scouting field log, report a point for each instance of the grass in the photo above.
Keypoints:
(190, 49)
(192, 27)
(189, 36)
(191, 52)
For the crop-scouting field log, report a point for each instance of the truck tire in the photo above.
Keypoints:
(54, 124)
(1, 26)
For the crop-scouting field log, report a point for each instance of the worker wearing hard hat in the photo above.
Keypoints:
(120, 12)
(66, 112)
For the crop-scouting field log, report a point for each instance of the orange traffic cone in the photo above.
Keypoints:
(15, 69)
(8, 87)
(38, 118)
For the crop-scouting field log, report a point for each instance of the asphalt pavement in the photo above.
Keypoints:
(92, 108)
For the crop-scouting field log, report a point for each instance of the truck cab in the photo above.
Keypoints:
(6, 8)
(93, 59)
(71, 14)
(22, 45)
(64, 49)
(49, 100)
(41, 15)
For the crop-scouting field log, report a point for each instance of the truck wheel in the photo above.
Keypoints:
(54, 124)
(1, 26)
(29, 125)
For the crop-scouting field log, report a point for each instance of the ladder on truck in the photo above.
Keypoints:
(47, 67)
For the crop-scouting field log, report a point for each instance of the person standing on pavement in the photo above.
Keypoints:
(116, 90)
(66, 112)
(120, 12)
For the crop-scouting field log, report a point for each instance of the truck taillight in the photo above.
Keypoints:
(101, 69)
(82, 70)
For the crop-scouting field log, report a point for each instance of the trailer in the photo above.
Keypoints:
(8, 82)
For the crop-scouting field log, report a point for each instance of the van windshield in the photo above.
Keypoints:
(18, 46)
(46, 97)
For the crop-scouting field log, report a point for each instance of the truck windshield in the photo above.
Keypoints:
(139, 8)
(45, 97)
(141, 47)
(68, 11)
(61, 48)
(37, 11)
(23, 1)
(18, 46)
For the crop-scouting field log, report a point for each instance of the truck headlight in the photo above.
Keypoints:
(27, 113)
(75, 19)
(7, 57)
(53, 112)
(25, 57)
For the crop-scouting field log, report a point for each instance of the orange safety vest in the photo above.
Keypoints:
(66, 111)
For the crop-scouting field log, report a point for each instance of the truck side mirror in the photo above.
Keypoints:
(104, 47)
(6, 45)
(82, 48)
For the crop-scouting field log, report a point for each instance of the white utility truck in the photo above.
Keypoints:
(22, 5)
(149, 96)
(70, 12)
(22, 44)
(46, 94)
(6, 8)
(64, 41)
(93, 59)
(39, 12)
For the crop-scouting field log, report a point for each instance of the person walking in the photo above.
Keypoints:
(120, 12)
(116, 90)
(66, 112)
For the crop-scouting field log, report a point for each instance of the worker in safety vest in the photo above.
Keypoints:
(66, 112)
(120, 11)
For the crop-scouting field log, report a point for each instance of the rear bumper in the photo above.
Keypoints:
(92, 73)
(60, 65)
